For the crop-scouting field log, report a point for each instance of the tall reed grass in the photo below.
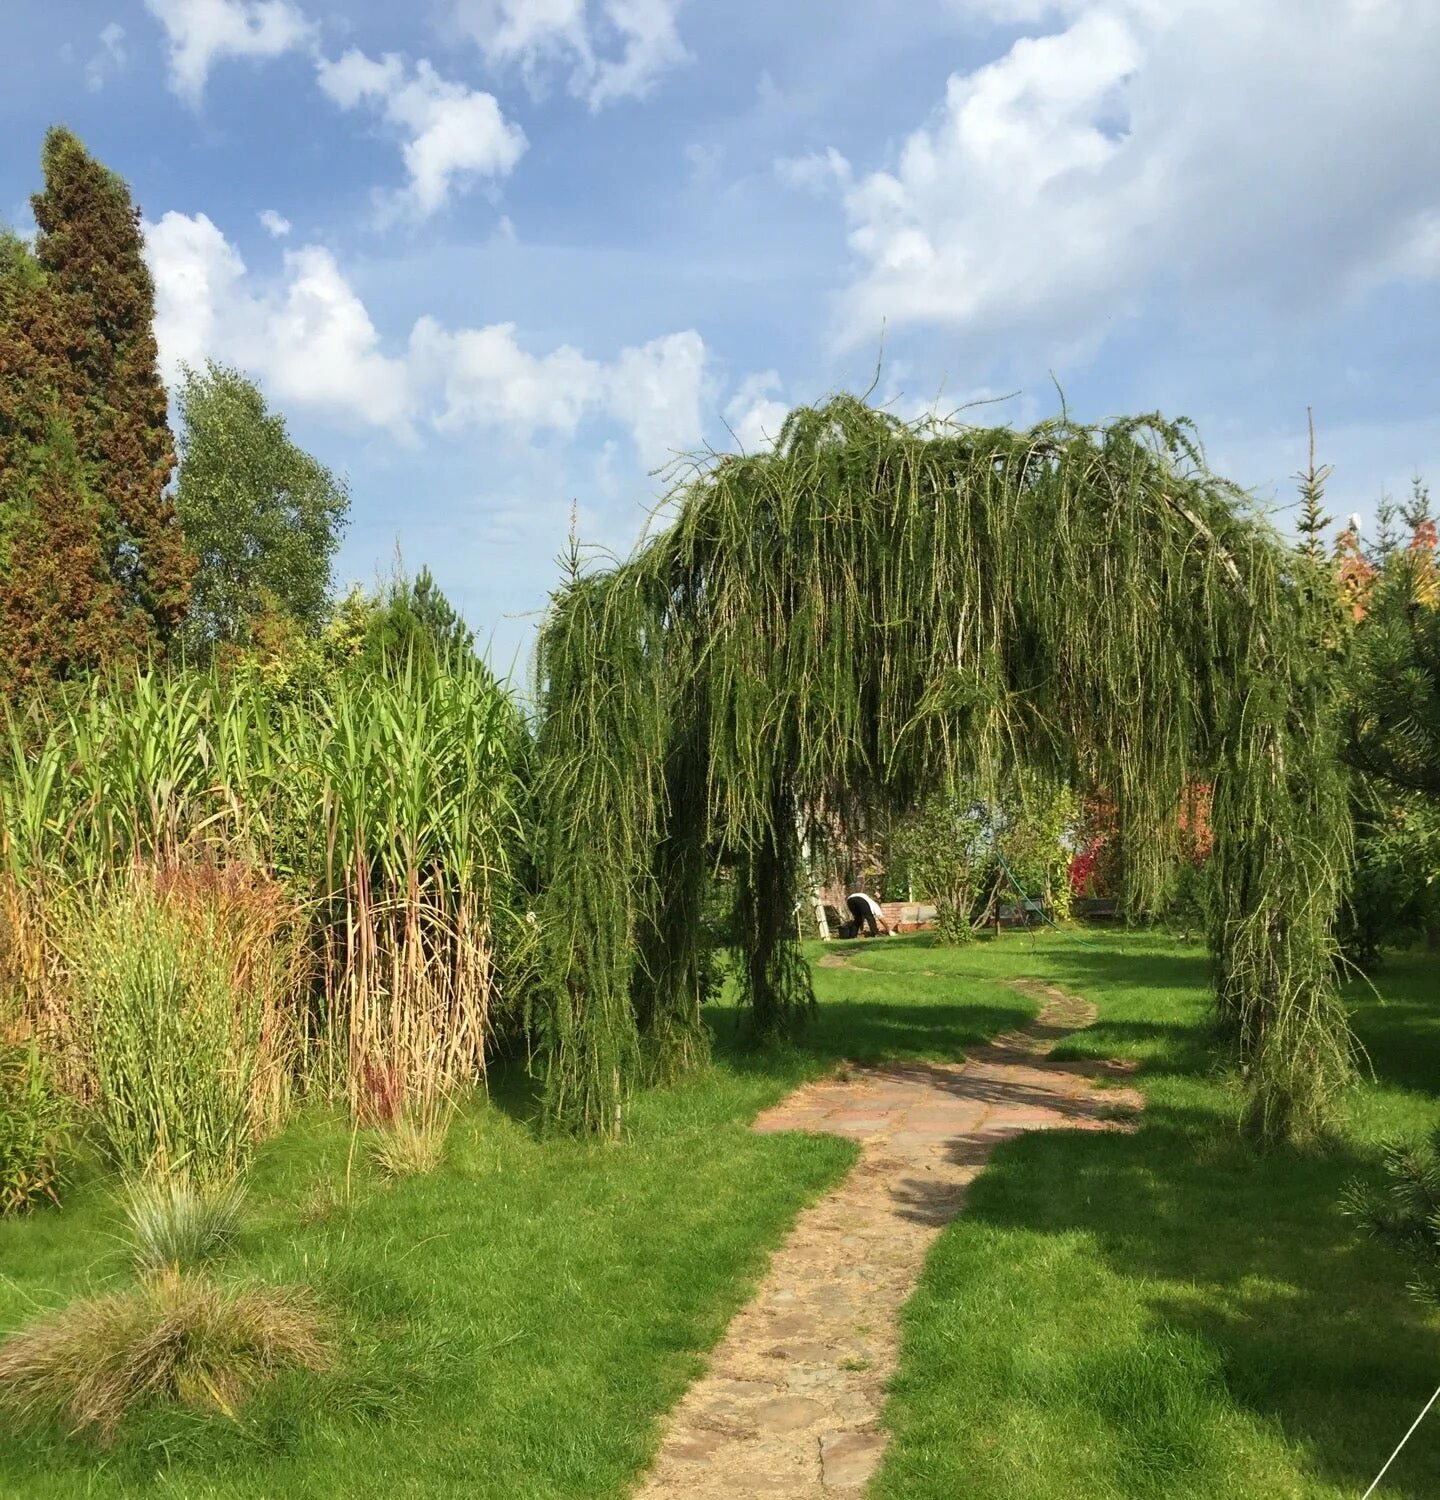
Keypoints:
(183, 986)
(340, 865)
(35, 1126)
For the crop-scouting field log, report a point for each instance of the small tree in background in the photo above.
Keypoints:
(263, 517)
(412, 617)
(1392, 718)
(952, 850)
(943, 848)
(1314, 523)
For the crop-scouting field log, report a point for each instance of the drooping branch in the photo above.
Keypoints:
(889, 611)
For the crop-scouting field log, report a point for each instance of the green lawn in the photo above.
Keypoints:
(1164, 1313)
(1146, 1315)
(517, 1322)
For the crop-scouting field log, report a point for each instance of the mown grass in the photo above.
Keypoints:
(1167, 1313)
(513, 1323)
(1157, 1314)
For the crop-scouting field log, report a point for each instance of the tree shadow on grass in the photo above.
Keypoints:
(1246, 1252)
(869, 1032)
(1249, 1253)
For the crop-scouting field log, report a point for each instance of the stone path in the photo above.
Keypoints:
(791, 1403)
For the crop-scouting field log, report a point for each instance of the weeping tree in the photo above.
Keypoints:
(875, 613)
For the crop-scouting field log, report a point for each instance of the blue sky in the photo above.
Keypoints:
(493, 258)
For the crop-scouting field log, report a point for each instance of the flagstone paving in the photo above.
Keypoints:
(791, 1403)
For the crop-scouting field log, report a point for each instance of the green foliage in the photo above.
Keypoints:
(944, 848)
(1404, 1211)
(1313, 521)
(174, 1338)
(173, 1223)
(93, 566)
(1391, 720)
(1393, 678)
(877, 612)
(35, 1128)
(1395, 892)
(1030, 828)
(376, 821)
(172, 1042)
(412, 618)
(262, 516)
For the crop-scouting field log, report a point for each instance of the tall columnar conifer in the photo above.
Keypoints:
(95, 567)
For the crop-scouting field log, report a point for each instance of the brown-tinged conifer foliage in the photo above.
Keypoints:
(93, 564)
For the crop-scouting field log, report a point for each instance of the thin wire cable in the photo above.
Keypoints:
(1038, 908)
(1396, 1454)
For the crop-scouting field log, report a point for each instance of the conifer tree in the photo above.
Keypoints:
(1417, 513)
(93, 565)
(92, 253)
(1313, 520)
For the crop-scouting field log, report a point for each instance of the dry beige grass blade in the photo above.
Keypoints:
(175, 1337)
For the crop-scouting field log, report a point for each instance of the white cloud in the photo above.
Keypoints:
(819, 172)
(201, 32)
(613, 49)
(526, 31)
(310, 338)
(1208, 150)
(110, 58)
(657, 390)
(452, 134)
(197, 272)
(754, 414)
(487, 379)
(275, 224)
(321, 347)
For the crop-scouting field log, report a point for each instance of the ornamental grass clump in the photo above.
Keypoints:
(174, 1338)
(35, 1128)
(172, 1222)
(183, 987)
(412, 1143)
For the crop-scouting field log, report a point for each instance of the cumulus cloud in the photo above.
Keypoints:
(275, 224)
(610, 49)
(109, 58)
(452, 134)
(657, 391)
(201, 32)
(819, 172)
(485, 378)
(1210, 148)
(754, 414)
(311, 339)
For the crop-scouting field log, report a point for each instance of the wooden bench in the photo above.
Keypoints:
(1096, 908)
